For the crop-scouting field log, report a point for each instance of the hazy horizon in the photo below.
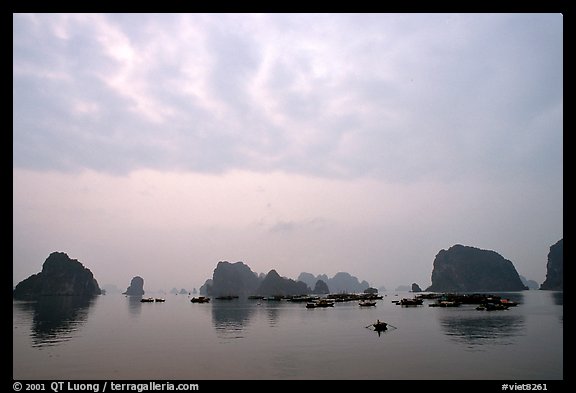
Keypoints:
(157, 145)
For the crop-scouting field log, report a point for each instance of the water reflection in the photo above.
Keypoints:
(134, 305)
(55, 319)
(231, 317)
(479, 328)
(558, 298)
(272, 313)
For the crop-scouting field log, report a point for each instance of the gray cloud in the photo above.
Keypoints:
(315, 224)
(397, 97)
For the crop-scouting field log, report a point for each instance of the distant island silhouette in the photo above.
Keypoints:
(136, 287)
(239, 280)
(60, 275)
(342, 282)
(468, 269)
(458, 269)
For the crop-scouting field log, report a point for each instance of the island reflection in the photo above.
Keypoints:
(55, 319)
(134, 305)
(483, 327)
(231, 317)
(558, 298)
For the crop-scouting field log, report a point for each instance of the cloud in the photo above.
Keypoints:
(397, 97)
(289, 227)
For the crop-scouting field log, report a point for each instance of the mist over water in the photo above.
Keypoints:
(118, 337)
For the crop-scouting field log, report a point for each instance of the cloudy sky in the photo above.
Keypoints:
(159, 144)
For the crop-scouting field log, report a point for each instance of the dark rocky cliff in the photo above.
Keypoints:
(206, 288)
(320, 288)
(60, 276)
(273, 285)
(469, 269)
(233, 279)
(136, 287)
(555, 268)
(341, 282)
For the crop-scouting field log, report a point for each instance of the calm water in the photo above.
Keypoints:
(117, 337)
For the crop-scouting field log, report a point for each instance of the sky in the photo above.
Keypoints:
(160, 144)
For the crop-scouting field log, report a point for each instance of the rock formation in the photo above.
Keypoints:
(320, 288)
(311, 280)
(371, 291)
(136, 287)
(531, 284)
(274, 285)
(555, 268)
(60, 275)
(344, 282)
(469, 269)
(416, 288)
(206, 288)
(341, 282)
(233, 279)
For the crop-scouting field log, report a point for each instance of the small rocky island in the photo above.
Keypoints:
(60, 276)
(321, 288)
(239, 280)
(136, 287)
(231, 279)
(275, 285)
(555, 268)
(469, 269)
(341, 282)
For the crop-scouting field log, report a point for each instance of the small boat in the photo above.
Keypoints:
(325, 303)
(201, 299)
(322, 303)
(227, 297)
(445, 303)
(276, 298)
(367, 303)
(159, 300)
(491, 307)
(495, 306)
(147, 300)
(410, 302)
(302, 299)
(380, 326)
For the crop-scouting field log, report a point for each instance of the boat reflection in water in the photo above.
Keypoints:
(55, 319)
